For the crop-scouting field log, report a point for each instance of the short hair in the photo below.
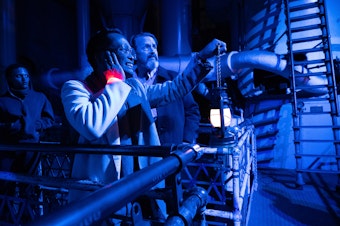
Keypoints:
(99, 42)
(12, 67)
(142, 34)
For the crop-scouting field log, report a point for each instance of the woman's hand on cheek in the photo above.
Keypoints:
(114, 72)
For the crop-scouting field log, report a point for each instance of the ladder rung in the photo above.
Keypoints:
(306, 28)
(314, 113)
(310, 74)
(311, 87)
(316, 127)
(309, 62)
(317, 99)
(316, 141)
(314, 99)
(317, 171)
(318, 155)
(319, 61)
(313, 50)
(302, 6)
(307, 39)
(304, 17)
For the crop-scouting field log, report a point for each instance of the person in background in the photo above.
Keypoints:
(24, 115)
(178, 121)
(113, 108)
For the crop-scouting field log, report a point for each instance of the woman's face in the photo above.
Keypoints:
(123, 51)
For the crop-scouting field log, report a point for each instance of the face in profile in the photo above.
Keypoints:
(19, 79)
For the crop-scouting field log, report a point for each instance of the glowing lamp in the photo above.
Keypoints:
(216, 119)
(220, 113)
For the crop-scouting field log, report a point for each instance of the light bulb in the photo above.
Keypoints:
(215, 117)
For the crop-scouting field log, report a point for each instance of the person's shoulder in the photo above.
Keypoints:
(5, 94)
(73, 83)
(135, 83)
(34, 92)
(167, 74)
(5, 98)
(72, 86)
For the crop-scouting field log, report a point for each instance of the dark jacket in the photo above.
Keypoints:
(178, 121)
(22, 120)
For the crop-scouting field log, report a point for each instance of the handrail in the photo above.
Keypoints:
(112, 197)
(133, 150)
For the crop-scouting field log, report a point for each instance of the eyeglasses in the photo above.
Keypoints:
(126, 51)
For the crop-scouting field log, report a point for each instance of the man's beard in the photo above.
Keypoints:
(152, 65)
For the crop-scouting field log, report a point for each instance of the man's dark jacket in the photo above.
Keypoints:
(178, 121)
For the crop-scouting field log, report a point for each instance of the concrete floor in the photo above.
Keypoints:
(277, 202)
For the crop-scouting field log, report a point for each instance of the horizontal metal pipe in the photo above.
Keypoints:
(219, 213)
(133, 150)
(54, 182)
(112, 197)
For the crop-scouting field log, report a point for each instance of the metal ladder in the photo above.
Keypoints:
(308, 36)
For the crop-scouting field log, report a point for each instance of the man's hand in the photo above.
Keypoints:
(211, 49)
(16, 126)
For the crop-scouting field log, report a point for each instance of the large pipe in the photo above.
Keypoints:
(233, 62)
(83, 30)
(193, 205)
(109, 199)
(127, 15)
(176, 27)
(54, 78)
